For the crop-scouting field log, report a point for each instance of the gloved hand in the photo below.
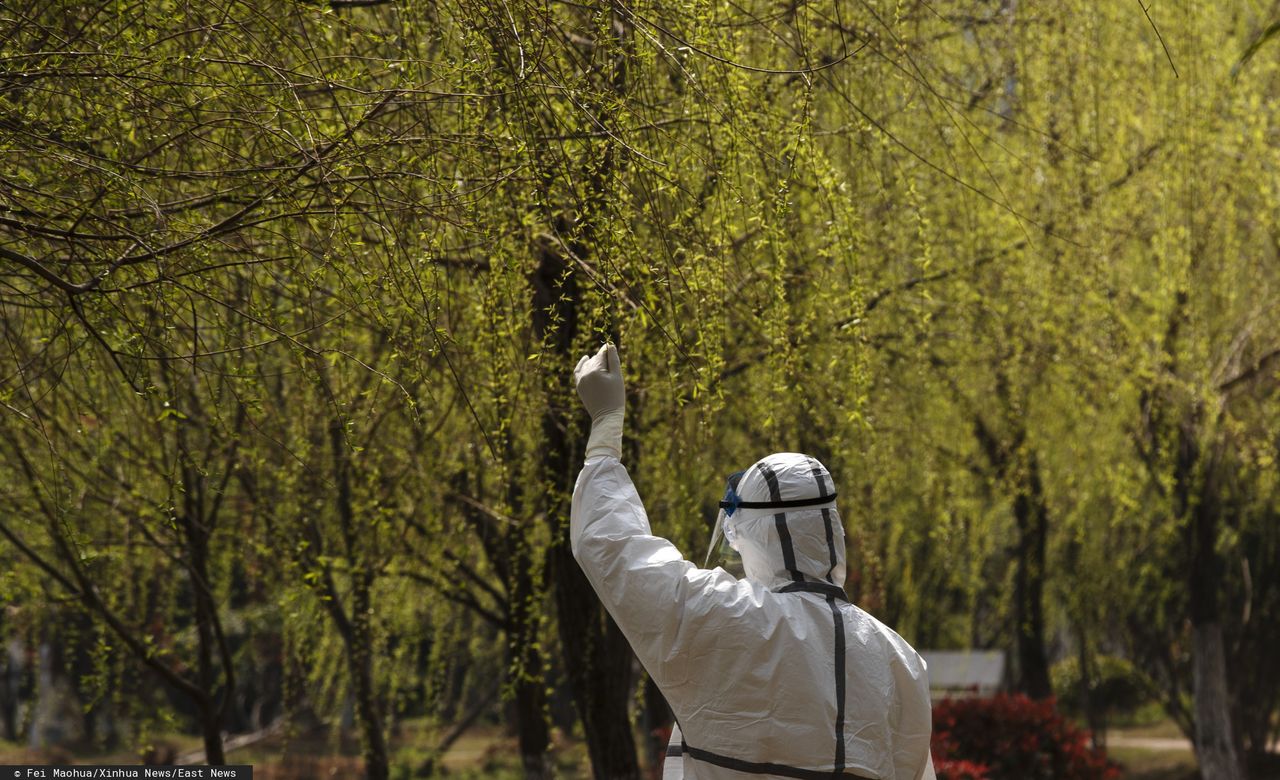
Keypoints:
(599, 381)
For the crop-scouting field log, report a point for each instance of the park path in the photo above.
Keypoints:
(1117, 739)
(1148, 743)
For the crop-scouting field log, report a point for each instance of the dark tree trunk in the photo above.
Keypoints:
(354, 627)
(523, 648)
(531, 721)
(1198, 505)
(1094, 715)
(11, 672)
(211, 731)
(1256, 683)
(597, 657)
(520, 569)
(599, 667)
(368, 713)
(1030, 515)
(356, 640)
(1215, 740)
(1031, 518)
(206, 668)
(197, 527)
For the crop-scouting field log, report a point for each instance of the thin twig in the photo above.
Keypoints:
(1160, 37)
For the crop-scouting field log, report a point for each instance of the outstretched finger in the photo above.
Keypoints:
(599, 361)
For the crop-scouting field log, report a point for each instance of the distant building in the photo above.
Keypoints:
(957, 674)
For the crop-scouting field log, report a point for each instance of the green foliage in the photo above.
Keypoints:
(1115, 686)
(269, 290)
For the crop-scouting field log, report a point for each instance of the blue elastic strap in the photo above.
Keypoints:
(731, 498)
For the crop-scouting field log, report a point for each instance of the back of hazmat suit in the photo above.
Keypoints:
(771, 676)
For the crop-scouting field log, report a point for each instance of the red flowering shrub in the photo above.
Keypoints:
(1012, 738)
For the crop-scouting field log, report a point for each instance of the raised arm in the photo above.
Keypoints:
(660, 600)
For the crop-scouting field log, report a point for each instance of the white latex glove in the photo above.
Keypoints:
(599, 381)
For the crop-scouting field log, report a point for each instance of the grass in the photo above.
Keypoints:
(1149, 763)
(487, 751)
(1143, 764)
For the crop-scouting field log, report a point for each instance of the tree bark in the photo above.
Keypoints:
(530, 687)
(1094, 714)
(531, 721)
(1031, 519)
(354, 628)
(201, 503)
(1215, 740)
(211, 712)
(10, 684)
(597, 657)
(1030, 515)
(367, 711)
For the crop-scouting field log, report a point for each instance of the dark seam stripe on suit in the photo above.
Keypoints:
(780, 522)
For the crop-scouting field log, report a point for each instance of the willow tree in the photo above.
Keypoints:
(358, 247)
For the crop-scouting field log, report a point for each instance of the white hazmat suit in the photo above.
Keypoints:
(775, 675)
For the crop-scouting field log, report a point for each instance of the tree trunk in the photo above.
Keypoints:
(11, 670)
(1094, 714)
(354, 628)
(1030, 515)
(596, 655)
(1215, 742)
(531, 721)
(208, 706)
(360, 667)
(211, 731)
(599, 666)
(1031, 518)
(197, 523)
(530, 687)
(367, 713)
(1215, 739)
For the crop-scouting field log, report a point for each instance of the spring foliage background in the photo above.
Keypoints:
(290, 294)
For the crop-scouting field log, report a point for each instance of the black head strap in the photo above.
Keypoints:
(737, 504)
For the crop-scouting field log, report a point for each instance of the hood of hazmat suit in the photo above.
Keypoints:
(773, 675)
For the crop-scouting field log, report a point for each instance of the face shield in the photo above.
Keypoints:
(722, 552)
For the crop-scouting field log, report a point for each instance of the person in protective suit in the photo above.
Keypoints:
(775, 675)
